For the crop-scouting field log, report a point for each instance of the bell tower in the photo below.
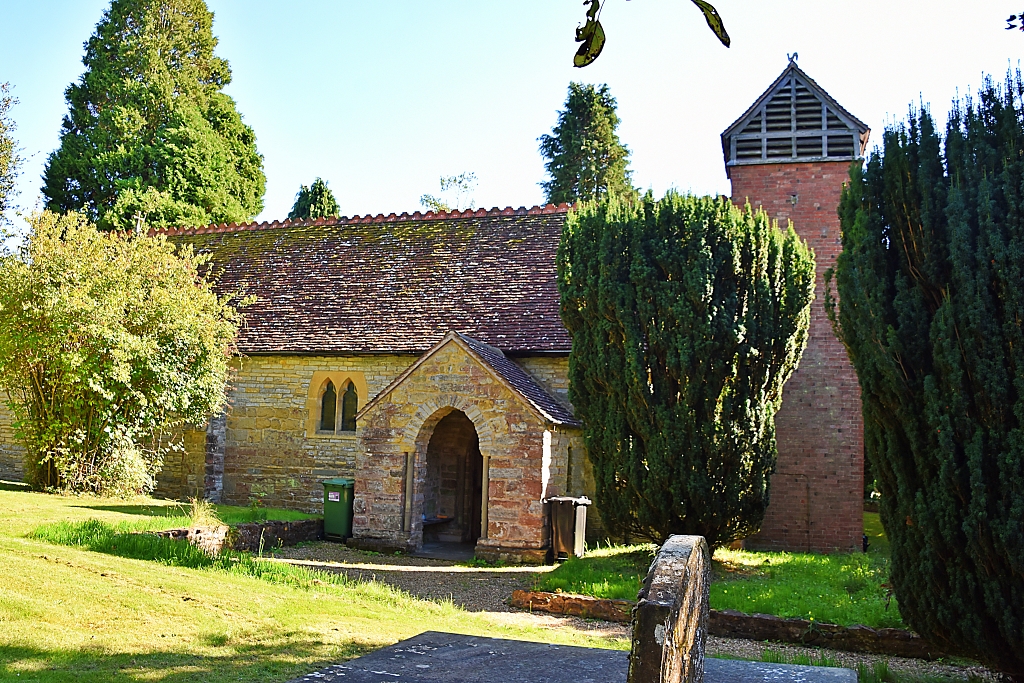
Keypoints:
(790, 154)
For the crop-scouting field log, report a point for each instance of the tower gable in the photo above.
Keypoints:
(795, 120)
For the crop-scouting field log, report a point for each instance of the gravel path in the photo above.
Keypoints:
(487, 589)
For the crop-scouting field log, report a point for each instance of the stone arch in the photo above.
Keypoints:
(416, 435)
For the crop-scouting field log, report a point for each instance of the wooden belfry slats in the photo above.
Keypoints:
(795, 122)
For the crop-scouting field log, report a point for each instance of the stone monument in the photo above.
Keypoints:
(670, 620)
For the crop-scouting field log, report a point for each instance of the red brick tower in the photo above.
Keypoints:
(790, 153)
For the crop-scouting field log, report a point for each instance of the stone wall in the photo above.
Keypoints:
(184, 468)
(552, 373)
(268, 452)
(817, 489)
(12, 454)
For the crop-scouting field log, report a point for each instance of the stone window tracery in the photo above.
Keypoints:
(329, 408)
(349, 402)
(334, 398)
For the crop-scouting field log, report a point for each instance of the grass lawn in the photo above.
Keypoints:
(68, 613)
(843, 589)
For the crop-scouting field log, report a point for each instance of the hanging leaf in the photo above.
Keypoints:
(714, 21)
(591, 35)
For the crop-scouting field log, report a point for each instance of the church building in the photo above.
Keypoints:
(423, 355)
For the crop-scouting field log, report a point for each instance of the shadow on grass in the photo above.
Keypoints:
(288, 658)
(175, 510)
(6, 485)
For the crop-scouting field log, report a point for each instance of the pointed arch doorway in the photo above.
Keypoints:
(453, 495)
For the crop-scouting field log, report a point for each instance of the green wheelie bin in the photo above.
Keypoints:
(338, 508)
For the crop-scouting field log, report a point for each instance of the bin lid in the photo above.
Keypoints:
(582, 500)
(339, 481)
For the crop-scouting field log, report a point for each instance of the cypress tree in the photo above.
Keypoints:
(315, 201)
(585, 160)
(687, 317)
(931, 285)
(149, 130)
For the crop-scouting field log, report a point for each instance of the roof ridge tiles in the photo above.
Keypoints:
(546, 209)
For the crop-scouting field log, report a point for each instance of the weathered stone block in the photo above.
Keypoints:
(670, 620)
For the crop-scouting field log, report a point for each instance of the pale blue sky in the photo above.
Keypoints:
(380, 98)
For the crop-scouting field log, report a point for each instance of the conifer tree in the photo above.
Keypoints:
(931, 299)
(687, 317)
(315, 201)
(585, 160)
(149, 131)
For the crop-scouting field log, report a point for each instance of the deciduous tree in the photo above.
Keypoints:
(687, 317)
(931, 303)
(456, 194)
(10, 160)
(149, 131)
(109, 341)
(585, 159)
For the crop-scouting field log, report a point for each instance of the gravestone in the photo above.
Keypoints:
(670, 625)
(670, 620)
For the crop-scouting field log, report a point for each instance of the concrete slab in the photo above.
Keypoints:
(434, 657)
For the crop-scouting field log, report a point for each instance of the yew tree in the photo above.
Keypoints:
(931, 304)
(149, 131)
(687, 317)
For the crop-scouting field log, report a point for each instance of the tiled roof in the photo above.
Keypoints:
(392, 284)
(505, 370)
(521, 381)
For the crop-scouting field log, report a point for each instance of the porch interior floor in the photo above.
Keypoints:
(453, 552)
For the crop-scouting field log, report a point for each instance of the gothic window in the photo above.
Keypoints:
(349, 402)
(329, 407)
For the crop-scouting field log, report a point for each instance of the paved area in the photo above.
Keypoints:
(487, 589)
(448, 658)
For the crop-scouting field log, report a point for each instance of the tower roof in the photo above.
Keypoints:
(794, 120)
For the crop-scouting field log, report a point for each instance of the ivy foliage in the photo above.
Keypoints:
(110, 341)
(315, 201)
(585, 160)
(931, 285)
(149, 131)
(687, 317)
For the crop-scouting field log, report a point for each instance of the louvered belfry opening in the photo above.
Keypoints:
(794, 121)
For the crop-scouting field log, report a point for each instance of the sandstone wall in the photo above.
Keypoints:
(552, 373)
(817, 489)
(182, 474)
(12, 455)
(269, 452)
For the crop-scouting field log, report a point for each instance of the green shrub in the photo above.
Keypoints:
(931, 284)
(687, 317)
(109, 343)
